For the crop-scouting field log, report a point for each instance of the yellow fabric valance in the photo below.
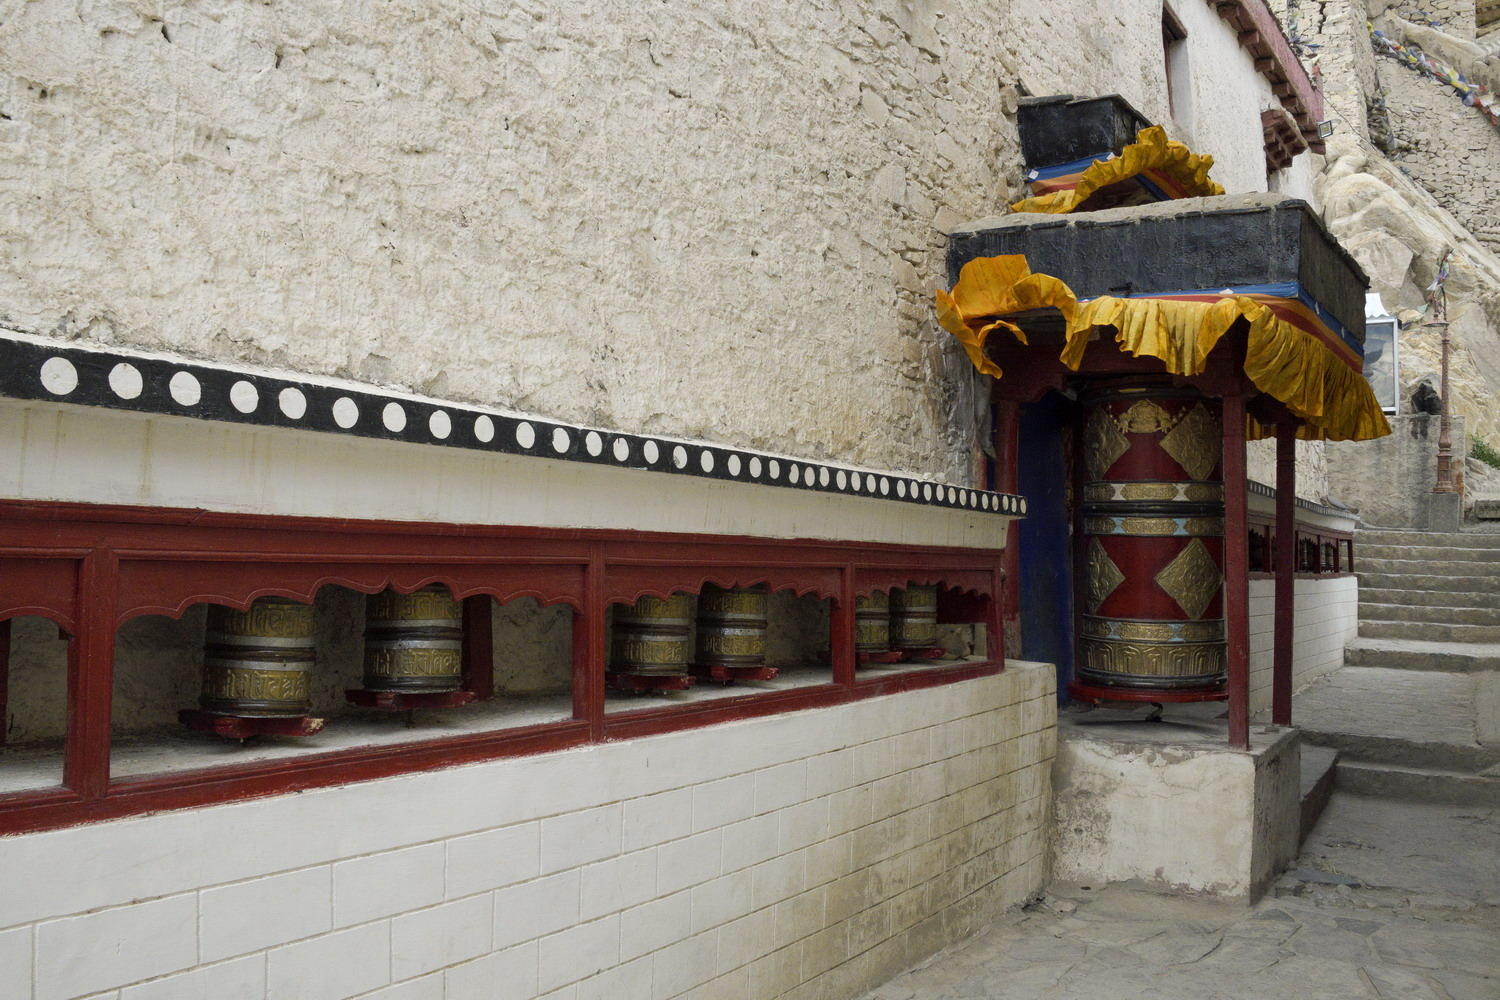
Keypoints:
(1171, 166)
(1290, 355)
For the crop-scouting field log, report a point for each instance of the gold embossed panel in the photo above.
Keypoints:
(1103, 443)
(1103, 576)
(1151, 664)
(1195, 442)
(1192, 579)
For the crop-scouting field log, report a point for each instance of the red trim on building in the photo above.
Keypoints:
(1260, 34)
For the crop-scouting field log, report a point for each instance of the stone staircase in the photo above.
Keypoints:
(1410, 711)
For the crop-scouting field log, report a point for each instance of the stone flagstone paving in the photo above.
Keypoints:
(1391, 901)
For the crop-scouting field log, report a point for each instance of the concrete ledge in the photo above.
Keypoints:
(1171, 805)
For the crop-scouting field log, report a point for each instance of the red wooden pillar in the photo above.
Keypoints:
(589, 646)
(841, 635)
(479, 656)
(1286, 571)
(1007, 480)
(91, 666)
(1236, 572)
(4, 679)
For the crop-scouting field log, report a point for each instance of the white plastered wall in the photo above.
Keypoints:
(813, 853)
(1326, 618)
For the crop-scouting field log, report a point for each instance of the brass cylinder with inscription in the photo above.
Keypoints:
(258, 663)
(732, 626)
(872, 623)
(413, 642)
(651, 636)
(914, 617)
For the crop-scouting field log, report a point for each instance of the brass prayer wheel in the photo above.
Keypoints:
(914, 617)
(732, 626)
(651, 636)
(1153, 527)
(258, 663)
(872, 623)
(413, 642)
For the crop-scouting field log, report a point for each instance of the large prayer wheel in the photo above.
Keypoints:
(258, 663)
(651, 636)
(1153, 538)
(413, 642)
(732, 626)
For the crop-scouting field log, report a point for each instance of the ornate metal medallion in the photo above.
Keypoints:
(1103, 575)
(1192, 579)
(1103, 443)
(1195, 442)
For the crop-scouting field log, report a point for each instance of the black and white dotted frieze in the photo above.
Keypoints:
(160, 386)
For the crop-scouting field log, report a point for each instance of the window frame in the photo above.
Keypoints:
(90, 568)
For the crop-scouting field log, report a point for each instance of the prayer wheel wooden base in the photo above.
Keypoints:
(648, 683)
(405, 701)
(235, 727)
(721, 674)
(1152, 538)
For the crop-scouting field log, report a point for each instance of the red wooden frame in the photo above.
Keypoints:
(91, 568)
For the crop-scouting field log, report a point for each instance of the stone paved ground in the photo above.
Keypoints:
(1391, 901)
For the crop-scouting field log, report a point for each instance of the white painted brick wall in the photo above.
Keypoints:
(812, 854)
(1326, 617)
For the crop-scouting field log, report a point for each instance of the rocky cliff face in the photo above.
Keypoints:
(1411, 173)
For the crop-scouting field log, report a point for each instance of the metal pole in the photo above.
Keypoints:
(1445, 480)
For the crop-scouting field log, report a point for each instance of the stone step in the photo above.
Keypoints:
(1423, 567)
(1431, 553)
(1430, 582)
(1418, 783)
(1401, 750)
(1459, 539)
(1441, 614)
(1419, 598)
(1317, 783)
(1418, 654)
(1385, 629)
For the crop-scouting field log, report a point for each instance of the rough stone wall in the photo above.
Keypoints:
(706, 222)
(1398, 218)
(623, 215)
(1450, 149)
(1312, 468)
(1456, 17)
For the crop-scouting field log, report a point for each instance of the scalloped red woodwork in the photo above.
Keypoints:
(91, 568)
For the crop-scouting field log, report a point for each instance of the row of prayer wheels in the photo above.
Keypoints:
(258, 663)
(653, 636)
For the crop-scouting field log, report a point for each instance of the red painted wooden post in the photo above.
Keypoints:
(841, 624)
(1286, 576)
(1236, 572)
(1007, 475)
(4, 679)
(91, 667)
(479, 656)
(589, 641)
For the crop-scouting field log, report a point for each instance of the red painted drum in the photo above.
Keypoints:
(1153, 541)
